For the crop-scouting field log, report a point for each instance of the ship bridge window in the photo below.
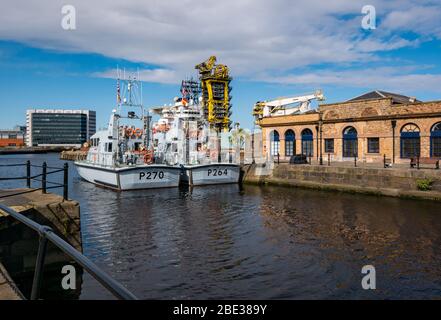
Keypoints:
(95, 142)
(108, 147)
(435, 140)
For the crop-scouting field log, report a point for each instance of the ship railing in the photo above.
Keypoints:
(47, 234)
(41, 178)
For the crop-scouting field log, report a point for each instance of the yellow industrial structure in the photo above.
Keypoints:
(215, 84)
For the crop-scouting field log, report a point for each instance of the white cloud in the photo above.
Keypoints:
(422, 20)
(397, 79)
(253, 37)
(151, 75)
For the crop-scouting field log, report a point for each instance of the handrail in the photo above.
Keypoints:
(43, 176)
(46, 233)
(13, 178)
(13, 165)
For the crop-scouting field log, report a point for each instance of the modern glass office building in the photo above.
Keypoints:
(59, 127)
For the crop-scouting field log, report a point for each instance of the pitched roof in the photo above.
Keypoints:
(378, 94)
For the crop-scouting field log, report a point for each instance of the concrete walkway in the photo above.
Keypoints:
(24, 201)
(64, 215)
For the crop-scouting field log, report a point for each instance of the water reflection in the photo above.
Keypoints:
(258, 242)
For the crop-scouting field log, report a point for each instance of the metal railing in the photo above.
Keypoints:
(47, 234)
(42, 178)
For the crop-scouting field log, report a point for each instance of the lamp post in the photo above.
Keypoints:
(317, 139)
(252, 145)
(394, 124)
(321, 142)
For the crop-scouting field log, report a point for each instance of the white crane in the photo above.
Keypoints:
(286, 106)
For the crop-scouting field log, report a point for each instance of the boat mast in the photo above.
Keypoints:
(129, 97)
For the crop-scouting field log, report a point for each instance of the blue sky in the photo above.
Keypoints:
(273, 49)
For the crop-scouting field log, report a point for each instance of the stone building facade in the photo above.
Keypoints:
(368, 127)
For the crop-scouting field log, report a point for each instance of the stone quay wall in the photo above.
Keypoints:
(378, 181)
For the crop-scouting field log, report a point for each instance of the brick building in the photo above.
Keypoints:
(12, 138)
(368, 127)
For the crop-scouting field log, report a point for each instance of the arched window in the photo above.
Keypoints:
(307, 145)
(290, 143)
(435, 141)
(410, 141)
(350, 142)
(275, 143)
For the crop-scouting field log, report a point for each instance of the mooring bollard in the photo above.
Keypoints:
(28, 174)
(43, 178)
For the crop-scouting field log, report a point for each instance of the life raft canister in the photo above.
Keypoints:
(129, 132)
(148, 157)
(138, 132)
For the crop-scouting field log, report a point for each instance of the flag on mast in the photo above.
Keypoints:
(118, 92)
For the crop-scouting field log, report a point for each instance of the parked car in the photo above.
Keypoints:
(298, 159)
